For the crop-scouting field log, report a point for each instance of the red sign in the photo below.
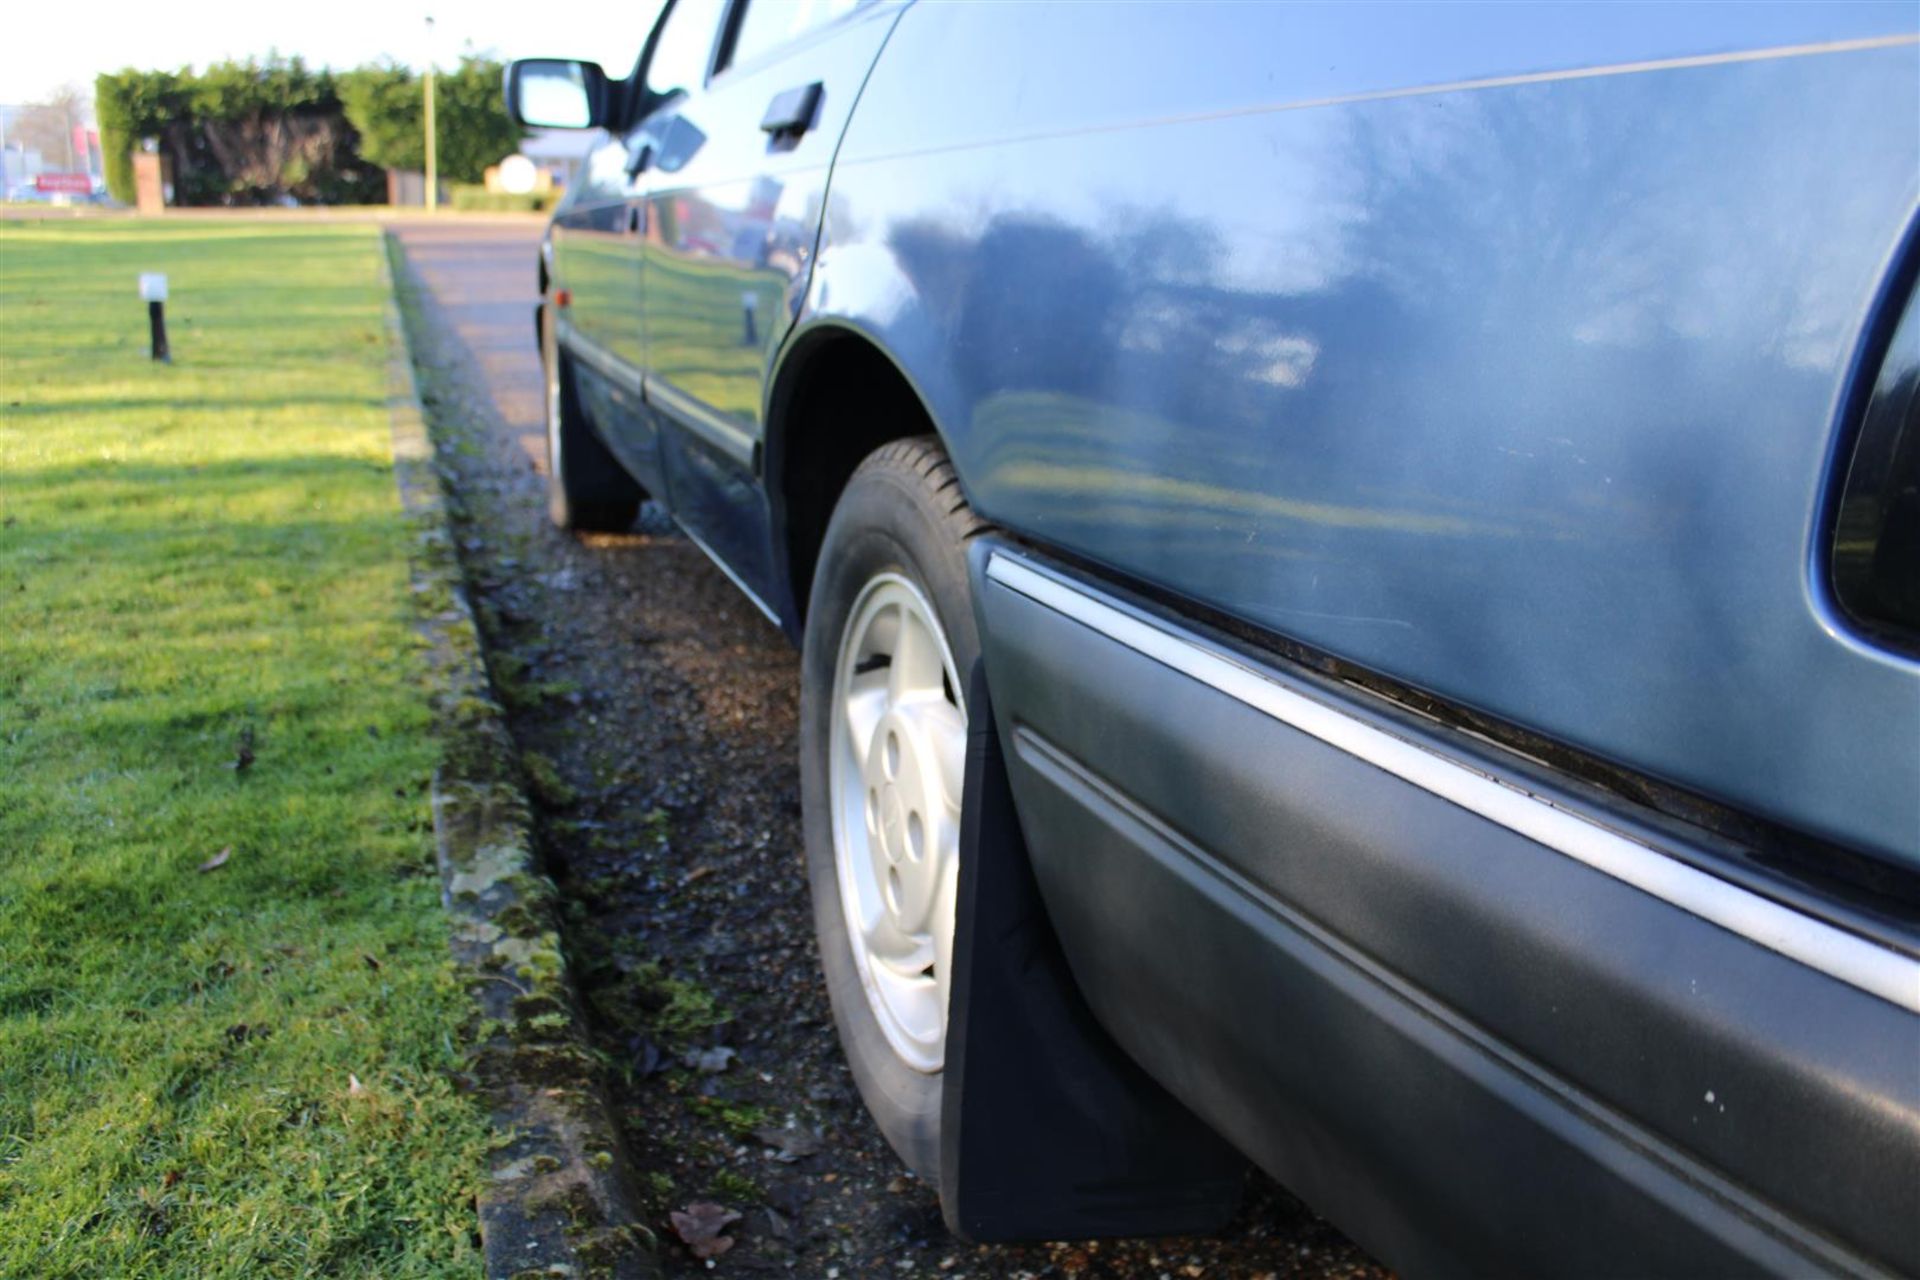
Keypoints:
(73, 184)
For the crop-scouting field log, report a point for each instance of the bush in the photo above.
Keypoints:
(132, 105)
(237, 133)
(255, 132)
(474, 198)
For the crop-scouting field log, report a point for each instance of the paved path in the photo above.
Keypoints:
(484, 276)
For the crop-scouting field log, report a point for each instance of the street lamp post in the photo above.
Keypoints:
(433, 168)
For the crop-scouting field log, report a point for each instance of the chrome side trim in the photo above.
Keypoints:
(716, 429)
(1820, 946)
(602, 361)
(729, 438)
(727, 569)
(1486, 1054)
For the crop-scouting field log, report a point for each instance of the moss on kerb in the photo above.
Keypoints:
(559, 1071)
(482, 932)
(536, 959)
(487, 866)
(522, 919)
(533, 1064)
(602, 1249)
(550, 1027)
(571, 1195)
(534, 892)
(471, 708)
(538, 1006)
(549, 787)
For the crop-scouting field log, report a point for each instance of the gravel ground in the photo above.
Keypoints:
(656, 710)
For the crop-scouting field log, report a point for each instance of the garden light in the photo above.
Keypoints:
(153, 288)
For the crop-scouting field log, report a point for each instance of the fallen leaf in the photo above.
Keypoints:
(372, 963)
(790, 1144)
(709, 1061)
(698, 873)
(173, 1176)
(218, 860)
(699, 1226)
(354, 1088)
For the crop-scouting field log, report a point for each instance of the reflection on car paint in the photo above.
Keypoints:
(1517, 393)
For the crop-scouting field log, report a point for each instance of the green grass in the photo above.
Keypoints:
(242, 1071)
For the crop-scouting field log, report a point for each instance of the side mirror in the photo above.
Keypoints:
(556, 93)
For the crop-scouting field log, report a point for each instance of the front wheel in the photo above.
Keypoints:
(587, 488)
(890, 640)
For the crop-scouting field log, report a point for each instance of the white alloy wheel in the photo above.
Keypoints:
(897, 760)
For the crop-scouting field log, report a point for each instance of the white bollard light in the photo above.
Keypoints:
(153, 288)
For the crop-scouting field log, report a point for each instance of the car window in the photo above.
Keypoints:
(680, 56)
(771, 23)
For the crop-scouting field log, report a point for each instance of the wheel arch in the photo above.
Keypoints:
(837, 393)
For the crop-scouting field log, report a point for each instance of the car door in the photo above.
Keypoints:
(597, 238)
(596, 269)
(733, 190)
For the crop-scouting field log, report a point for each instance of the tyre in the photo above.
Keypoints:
(587, 488)
(890, 640)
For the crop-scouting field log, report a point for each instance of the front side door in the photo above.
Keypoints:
(733, 196)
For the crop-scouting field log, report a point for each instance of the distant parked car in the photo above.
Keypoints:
(1419, 507)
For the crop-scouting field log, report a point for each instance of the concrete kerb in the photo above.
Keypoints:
(558, 1200)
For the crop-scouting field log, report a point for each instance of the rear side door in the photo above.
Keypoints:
(596, 267)
(733, 192)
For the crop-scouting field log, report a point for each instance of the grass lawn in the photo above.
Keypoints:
(241, 1071)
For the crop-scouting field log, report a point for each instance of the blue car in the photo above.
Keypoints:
(1357, 572)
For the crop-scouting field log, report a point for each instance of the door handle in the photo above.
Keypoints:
(638, 159)
(792, 112)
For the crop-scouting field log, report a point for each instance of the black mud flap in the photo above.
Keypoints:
(1048, 1130)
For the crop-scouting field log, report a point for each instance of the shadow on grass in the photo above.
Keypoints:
(228, 478)
(144, 404)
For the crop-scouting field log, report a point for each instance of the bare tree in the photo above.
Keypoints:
(47, 127)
